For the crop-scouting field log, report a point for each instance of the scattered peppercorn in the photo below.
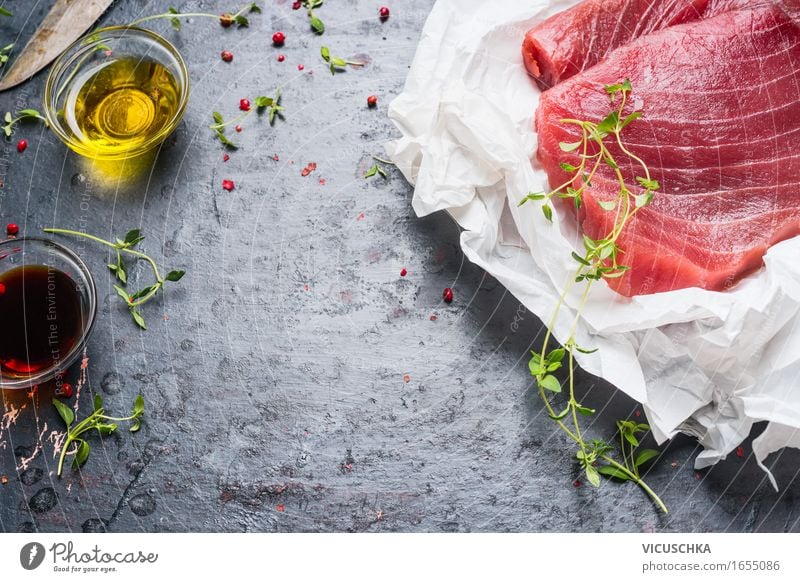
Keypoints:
(297, 5)
(12, 229)
(403, 272)
(447, 295)
(372, 101)
(225, 157)
(238, 129)
(300, 67)
(384, 13)
(244, 104)
(227, 185)
(22, 145)
(226, 19)
(2, 288)
(278, 38)
(65, 391)
(226, 56)
(281, 58)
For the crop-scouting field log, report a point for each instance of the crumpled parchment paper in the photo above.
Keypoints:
(707, 363)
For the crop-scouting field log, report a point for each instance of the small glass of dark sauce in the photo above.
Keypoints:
(48, 305)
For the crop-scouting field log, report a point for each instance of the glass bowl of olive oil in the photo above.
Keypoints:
(116, 93)
(48, 305)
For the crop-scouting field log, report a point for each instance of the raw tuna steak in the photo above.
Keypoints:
(721, 103)
(578, 38)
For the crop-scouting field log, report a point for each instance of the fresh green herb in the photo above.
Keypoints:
(77, 446)
(4, 53)
(263, 103)
(316, 24)
(12, 120)
(599, 260)
(174, 16)
(337, 64)
(377, 169)
(5, 12)
(132, 300)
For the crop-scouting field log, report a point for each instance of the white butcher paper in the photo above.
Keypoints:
(702, 362)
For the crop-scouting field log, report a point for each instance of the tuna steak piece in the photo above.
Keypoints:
(580, 37)
(721, 103)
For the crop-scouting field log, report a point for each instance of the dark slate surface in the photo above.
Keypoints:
(294, 381)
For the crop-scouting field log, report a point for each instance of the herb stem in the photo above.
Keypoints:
(176, 15)
(638, 480)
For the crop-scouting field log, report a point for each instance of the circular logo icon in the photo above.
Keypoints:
(31, 555)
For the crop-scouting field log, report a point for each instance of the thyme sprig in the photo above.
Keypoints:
(12, 119)
(263, 103)
(598, 261)
(77, 446)
(316, 24)
(5, 52)
(337, 64)
(132, 300)
(226, 19)
(377, 169)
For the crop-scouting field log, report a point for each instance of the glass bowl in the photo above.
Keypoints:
(26, 252)
(102, 54)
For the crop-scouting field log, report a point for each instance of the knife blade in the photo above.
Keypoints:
(65, 23)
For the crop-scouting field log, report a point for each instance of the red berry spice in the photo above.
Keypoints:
(22, 145)
(740, 452)
(225, 157)
(384, 13)
(447, 295)
(278, 38)
(227, 185)
(297, 5)
(372, 101)
(238, 129)
(300, 67)
(576, 483)
(403, 272)
(65, 391)
(244, 104)
(226, 19)
(12, 229)
(281, 58)
(226, 56)
(280, 507)
(2, 288)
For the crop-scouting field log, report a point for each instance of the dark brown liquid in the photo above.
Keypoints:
(40, 319)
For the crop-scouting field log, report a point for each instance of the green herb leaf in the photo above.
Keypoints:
(64, 411)
(561, 415)
(97, 402)
(550, 383)
(326, 54)
(613, 472)
(5, 12)
(81, 454)
(548, 212)
(580, 259)
(584, 410)
(106, 429)
(609, 124)
(651, 185)
(122, 293)
(263, 101)
(645, 456)
(175, 276)
(137, 317)
(317, 25)
(630, 119)
(570, 147)
(592, 476)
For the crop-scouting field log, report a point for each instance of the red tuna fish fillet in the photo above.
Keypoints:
(579, 37)
(721, 103)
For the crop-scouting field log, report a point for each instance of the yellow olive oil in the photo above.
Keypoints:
(120, 104)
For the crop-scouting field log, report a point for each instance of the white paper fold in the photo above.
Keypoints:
(707, 363)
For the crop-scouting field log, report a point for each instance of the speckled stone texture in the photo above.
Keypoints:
(294, 381)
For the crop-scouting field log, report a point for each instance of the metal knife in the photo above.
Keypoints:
(65, 23)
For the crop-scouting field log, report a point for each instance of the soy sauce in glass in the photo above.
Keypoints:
(40, 319)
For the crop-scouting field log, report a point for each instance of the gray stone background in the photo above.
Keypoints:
(294, 381)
